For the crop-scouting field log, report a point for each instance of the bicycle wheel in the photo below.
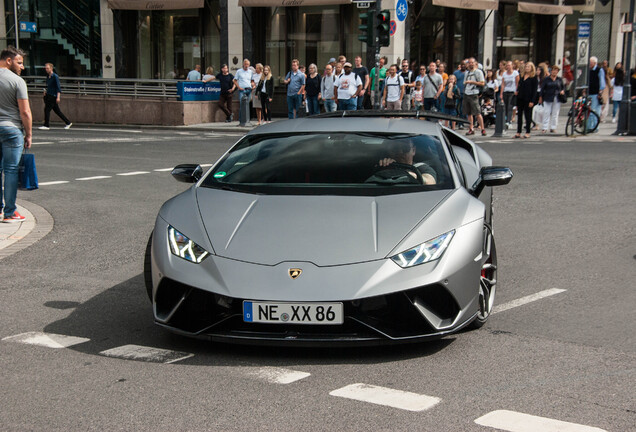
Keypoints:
(569, 126)
(579, 123)
(593, 121)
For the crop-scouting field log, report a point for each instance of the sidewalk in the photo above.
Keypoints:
(19, 235)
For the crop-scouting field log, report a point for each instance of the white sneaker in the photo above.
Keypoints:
(44, 128)
(68, 126)
(614, 120)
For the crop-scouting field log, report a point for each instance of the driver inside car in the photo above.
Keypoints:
(403, 151)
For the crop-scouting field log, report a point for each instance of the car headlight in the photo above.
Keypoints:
(185, 248)
(426, 252)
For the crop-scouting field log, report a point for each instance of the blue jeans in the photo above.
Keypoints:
(617, 105)
(347, 104)
(244, 111)
(293, 105)
(596, 107)
(12, 141)
(330, 105)
(312, 104)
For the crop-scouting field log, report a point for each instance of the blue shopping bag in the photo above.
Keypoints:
(28, 176)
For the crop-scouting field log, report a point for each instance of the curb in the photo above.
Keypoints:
(39, 224)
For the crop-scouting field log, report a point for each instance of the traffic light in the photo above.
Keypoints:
(383, 28)
(366, 28)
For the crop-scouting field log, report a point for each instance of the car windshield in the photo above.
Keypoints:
(350, 163)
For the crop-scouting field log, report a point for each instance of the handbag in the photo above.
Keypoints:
(27, 174)
(562, 98)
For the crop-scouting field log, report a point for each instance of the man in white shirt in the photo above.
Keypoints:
(393, 90)
(474, 80)
(244, 83)
(347, 88)
(327, 89)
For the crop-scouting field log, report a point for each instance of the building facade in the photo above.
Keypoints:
(151, 39)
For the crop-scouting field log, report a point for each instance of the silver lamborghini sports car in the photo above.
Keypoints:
(362, 227)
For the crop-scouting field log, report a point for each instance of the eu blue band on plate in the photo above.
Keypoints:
(247, 311)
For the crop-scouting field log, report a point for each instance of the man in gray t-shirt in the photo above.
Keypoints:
(433, 84)
(15, 126)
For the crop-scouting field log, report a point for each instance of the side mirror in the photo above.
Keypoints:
(187, 173)
(491, 176)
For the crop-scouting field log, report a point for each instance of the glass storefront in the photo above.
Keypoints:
(167, 44)
(311, 34)
(524, 36)
(67, 33)
(443, 33)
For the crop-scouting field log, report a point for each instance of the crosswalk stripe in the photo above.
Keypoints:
(49, 340)
(388, 397)
(512, 421)
(276, 375)
(52, 183)
(163, 169)
(93, 178)
(147, 354)
(133, 173)
(527, 299)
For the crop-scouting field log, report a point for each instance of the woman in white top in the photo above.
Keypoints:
(617, 89)
(256, 100)
(508, 89)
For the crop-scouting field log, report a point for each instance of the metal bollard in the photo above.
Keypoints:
(501, 118)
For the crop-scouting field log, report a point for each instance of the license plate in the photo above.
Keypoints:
(293, 313)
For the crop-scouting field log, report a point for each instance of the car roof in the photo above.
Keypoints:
(379, 124)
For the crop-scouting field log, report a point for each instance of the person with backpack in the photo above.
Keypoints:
(327, 89)
(433, 86)
(347, 89)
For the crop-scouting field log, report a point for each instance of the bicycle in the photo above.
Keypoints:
(581, 118)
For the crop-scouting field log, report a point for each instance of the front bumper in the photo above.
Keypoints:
(392, 318)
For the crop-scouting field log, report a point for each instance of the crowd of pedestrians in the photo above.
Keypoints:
(531, 94)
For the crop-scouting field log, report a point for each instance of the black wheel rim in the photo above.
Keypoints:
(488, 279)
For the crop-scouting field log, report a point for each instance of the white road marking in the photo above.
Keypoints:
(49, 340)
(519, 422)
(278, 375)
(148, 354)
(93, 178)
(527, 299)
(52, 183)
(42, 142)
(108, 130)
(386, 396)
(133, 173)
(206, 165)
(164, 169)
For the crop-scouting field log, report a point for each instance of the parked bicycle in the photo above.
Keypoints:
(581, 118)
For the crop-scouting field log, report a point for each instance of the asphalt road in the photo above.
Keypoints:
(564, 229)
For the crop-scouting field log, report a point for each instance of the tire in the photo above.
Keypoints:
(487, 281)
(569, 126)
(147, 268)
(595, 119)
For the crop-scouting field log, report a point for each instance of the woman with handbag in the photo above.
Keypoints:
(265, 90)
(551, 95)
(256, 101)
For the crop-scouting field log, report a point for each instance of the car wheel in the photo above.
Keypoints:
(487, 281)
(147, 268)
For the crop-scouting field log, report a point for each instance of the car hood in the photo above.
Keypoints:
(323, 230)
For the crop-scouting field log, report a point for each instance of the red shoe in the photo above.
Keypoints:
(471, 132)
(16, 217)
(483, 132)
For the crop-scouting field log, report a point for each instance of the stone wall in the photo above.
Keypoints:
(131, 111)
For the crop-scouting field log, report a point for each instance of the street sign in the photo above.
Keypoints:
(585, 29)
(28, 27)
(627, 28)
(583, 43)
(392, 28)
(363, 5)
(401, 10)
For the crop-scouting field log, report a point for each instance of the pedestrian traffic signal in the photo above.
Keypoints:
(383, 28)
(366, 28)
